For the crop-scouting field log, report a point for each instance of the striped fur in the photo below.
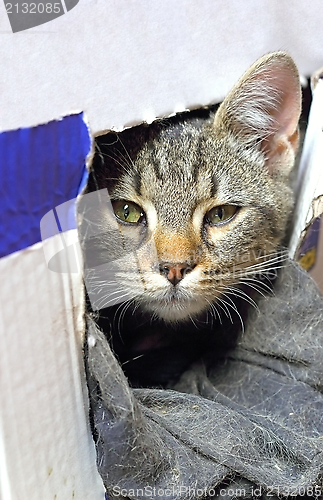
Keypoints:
(177, 170)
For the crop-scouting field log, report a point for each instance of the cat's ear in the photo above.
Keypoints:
(263, 109)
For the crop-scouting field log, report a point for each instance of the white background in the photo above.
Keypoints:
(124, 61)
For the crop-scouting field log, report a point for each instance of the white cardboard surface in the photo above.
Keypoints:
(46, 447)
(125, 61)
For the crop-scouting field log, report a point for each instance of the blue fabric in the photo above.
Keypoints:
(41, 168)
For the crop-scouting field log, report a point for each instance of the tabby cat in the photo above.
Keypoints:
(193, 221)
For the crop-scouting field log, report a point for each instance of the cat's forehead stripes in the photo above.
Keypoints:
(198, 169)
(214, 186)
(176, 152)
(178, 176)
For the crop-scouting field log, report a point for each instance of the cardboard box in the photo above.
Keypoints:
(46, 450)
(121, 63)
(307, 239)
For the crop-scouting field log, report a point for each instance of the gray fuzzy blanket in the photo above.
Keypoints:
(251, 427)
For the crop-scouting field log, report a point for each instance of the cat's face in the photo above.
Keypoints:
(197, 209)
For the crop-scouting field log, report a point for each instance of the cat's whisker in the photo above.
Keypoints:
(132, 359)
(262, 291)
(98, 152)
(122, 315)
(234, 307)
(259, 275)
(98, 281)
(214, 310)
(128, 163)
(154, 316)
(135, 308)
(126, 151)
(102, 303)
(277, 252)
(192, 320)
(107, 300)
(103, 287)
(267, 265)
(259, 279)
(220, 303)
(236, 292)
(264, 266)
(259, 271)
(123, 164)
(207, 320)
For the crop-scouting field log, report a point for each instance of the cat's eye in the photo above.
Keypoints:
(128, 211)
(220, 214)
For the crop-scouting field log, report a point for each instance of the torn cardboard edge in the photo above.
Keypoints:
(310, 175)
(307, 232)
(45, 167)
(307, 251)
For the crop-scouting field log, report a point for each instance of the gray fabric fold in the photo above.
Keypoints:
(249, 427)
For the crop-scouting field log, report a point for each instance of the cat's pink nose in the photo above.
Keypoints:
(175, 272)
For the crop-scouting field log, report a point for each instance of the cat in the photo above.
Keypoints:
(196, 216)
